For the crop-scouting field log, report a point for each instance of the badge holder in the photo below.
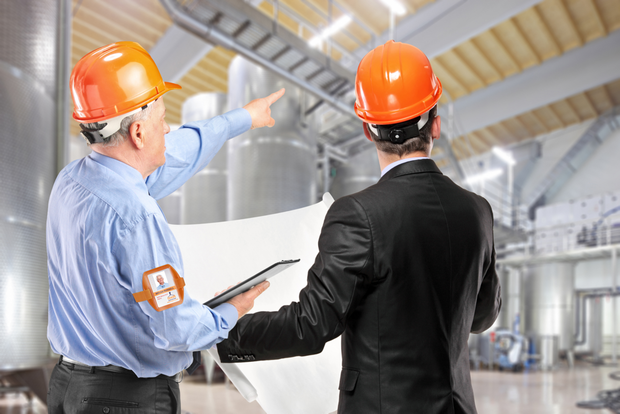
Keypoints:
(163, 288)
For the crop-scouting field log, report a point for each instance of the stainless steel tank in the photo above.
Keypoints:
(361, 171)
(590, 324)
(29, 59)
(510, 314)
(270, 170)
(549, 303)
(204, 195)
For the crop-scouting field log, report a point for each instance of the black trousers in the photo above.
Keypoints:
(78, 389)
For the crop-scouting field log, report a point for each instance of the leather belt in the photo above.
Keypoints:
(112, 368)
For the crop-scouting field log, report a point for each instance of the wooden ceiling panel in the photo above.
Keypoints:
(470, 54)
(489, 137)
(565, 111)
(557, 18)
(582, 106)
(587, 19)
(532, 26)
(614, 91)
(609, 10)
(518, 130)
(533, 124)
(502, 134)
(461, 71)
(496, 53)
(548, 117)
(516, 44)
(601, 99)
(448, 81)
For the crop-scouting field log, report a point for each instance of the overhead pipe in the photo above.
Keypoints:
(214, 35)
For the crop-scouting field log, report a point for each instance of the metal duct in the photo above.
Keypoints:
(548, 302)
(361, 171)
(270, 170)
(31, 38)
(204, 195)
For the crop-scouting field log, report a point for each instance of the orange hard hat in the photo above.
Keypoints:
(395, 83)
(114, 80)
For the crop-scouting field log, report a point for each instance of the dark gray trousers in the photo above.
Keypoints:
(78, 389)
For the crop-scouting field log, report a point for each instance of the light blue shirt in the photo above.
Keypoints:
(404, 160)
(104, 230)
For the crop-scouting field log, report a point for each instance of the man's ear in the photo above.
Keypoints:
(436, 127)
(136, 134)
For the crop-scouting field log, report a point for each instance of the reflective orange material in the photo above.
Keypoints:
(114, 80)
(394, 83)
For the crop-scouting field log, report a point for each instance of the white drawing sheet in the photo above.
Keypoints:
(217, 255)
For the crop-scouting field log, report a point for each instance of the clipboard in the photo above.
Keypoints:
(247, 284)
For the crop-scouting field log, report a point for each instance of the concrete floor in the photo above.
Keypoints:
(552, 392)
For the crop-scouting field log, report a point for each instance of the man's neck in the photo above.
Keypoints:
(122, 154)
(386, 159)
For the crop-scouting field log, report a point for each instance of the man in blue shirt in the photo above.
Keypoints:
(162, 284)
(105, 229)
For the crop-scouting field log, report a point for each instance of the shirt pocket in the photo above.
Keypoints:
(348, 379)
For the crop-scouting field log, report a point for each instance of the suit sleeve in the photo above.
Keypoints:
(489, 301)
(336, 284)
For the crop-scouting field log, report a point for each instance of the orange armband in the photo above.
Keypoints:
(163, 288)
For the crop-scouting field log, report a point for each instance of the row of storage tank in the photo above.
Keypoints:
(267, 170)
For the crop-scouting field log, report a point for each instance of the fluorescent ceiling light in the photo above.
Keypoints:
(335, 27)
(487, 175)
(504, 155)
(396, 7)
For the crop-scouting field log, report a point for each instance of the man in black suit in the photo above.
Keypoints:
(405, 270)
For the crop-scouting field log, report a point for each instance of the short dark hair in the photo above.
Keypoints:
(420, 143)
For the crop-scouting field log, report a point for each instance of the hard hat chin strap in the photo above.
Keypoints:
(401, 132)
(107, 128)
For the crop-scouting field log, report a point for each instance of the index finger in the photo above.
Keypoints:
(275, 96)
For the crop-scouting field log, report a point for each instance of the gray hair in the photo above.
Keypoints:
(123, 133)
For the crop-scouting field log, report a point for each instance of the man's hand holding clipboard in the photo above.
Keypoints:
(242, 295)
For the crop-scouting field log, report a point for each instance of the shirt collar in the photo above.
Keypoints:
(399, 162)
(130, 174)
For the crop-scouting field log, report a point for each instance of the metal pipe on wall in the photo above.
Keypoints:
(270, 170)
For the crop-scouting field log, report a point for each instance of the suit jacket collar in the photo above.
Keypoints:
(412, 167)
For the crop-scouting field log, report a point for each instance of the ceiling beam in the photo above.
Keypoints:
(426, 29)
(177, 51)
(576, 71)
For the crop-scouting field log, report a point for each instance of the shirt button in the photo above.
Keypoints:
(105, 410)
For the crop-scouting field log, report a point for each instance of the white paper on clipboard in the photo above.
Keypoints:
(303, 385)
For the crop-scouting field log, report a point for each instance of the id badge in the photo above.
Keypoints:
(163, 288)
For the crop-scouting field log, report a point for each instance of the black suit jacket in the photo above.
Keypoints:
(405, 271)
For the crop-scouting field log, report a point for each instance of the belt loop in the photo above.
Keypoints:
(60, 360)
(91, 370)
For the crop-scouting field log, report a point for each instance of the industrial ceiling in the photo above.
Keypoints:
(513, 69)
